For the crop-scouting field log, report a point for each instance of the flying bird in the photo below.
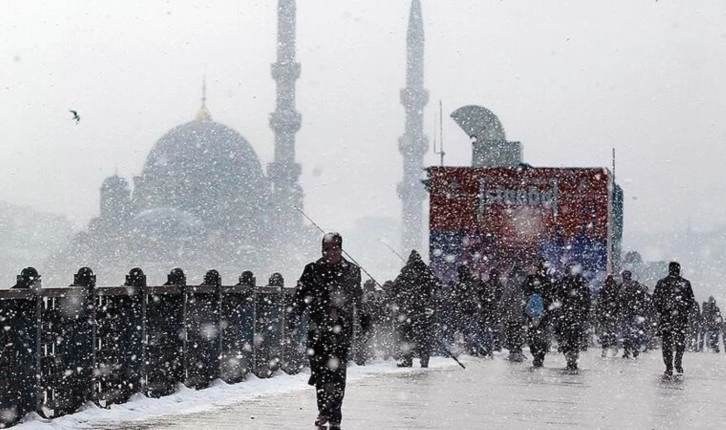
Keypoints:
(75, 116)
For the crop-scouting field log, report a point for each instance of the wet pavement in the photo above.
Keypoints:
(494, 393)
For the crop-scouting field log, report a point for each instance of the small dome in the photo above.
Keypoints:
(114, 182)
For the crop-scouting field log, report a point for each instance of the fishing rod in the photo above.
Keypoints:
(392, 250)
(446, 350)
(344, 251)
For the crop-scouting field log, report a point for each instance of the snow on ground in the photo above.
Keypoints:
(607, 393)
(220, 394)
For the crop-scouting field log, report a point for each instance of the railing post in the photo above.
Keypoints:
(201, 321)
(268, 325)
(293, 343)
(18, 338)
(237, 323)
(165, 335)
(38, 344)
(119, 339)
(136, 279)
(85, 278)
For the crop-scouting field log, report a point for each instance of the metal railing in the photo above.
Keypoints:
(63, 346)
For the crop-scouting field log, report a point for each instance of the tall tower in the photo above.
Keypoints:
(284, 172)
(413, 144)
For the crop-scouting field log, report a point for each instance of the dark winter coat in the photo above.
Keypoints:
(490, 296)
(711, 318)
(608, 303)
(571, 302)
(673, 300)
(632, 301)
(466, 299)
(333, 295)
(511, 307)
(414, 288)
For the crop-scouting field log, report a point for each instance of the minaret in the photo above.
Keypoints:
(413, 144)
(284, 172)
(203, 114)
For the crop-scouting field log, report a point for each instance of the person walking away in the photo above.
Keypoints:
(712, 321)
(511, 309)
(607, 316)
(490, 320)
(330, 290)
(673, 301)
(632, 301)
(469, 312)
(651, 323)
(704, 333)
(695, 327)
(375, 309)
(414, 290)
(571, 298)
(537, 291)
(446, 316)
(363, 348)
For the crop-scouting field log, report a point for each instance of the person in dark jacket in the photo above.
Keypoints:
(632, 302)
(413, 292)
(540, 284)
(465, 305)
(490, 320)
(571, 303)
(703, 332)
(607, 316)
(369, 305)
(694, 330)
(446, 316)
(511, 308)
(673, 301)
(712, 323)
(330, 290)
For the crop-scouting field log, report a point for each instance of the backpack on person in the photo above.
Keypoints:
(534, 308)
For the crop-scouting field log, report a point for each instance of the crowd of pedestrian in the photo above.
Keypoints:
(415, 315)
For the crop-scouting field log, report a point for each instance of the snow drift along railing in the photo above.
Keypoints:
(63, 346)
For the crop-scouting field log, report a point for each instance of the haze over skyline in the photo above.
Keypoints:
(570, 80)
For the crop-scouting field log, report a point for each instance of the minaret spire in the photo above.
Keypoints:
(284, 172)
(413, 144)
(203, 114)
(204, 91)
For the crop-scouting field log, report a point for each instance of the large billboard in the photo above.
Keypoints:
(512, 217)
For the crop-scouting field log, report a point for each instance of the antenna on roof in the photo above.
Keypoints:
(440, 152)
(434, 134)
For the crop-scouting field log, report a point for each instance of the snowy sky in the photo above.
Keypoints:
(569, 79)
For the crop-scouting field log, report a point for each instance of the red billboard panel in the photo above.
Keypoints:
(494, 217)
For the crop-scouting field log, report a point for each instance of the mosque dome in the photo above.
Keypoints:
(207, 170)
